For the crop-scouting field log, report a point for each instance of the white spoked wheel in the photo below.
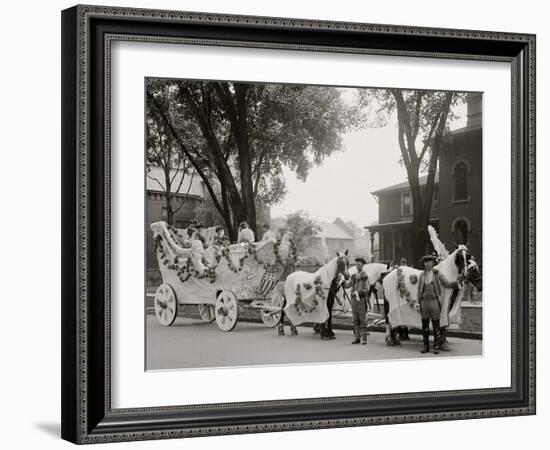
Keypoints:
(269, 318)
(226, 310)
(207, 313)
(166, 305)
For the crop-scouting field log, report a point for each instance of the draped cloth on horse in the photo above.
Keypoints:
(401, 293)
(305, 294)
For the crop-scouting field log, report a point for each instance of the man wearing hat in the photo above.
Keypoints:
(429, 293)
(359, 284)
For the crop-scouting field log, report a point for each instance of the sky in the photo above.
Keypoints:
(342, 185)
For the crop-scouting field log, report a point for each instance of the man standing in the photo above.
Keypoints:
(268, 233)
(246, 235)
(359, 284)
(429, 293)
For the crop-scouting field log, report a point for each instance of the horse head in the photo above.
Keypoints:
(342, 264)
(467, 266)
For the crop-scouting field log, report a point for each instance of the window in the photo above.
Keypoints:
(461, 181)
(460, 230)
(406, 205)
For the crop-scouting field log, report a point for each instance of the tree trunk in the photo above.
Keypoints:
(419, 240)
(245, 160)
(169, 211)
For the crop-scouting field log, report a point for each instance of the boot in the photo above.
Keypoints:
(293, 331)
(281, 330)
(404, 334)
(364, 340)
(395, 337)
(443, 344)
(425, 336)
(331, 334)
(437, 336)
(388, 338)
(357, 340)
(325, 336)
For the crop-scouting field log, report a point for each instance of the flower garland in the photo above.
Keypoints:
(178, 237)
(292, 254)
(234, 268)
(184, 269)
(402, 287)
(253, 251)
(303, 308)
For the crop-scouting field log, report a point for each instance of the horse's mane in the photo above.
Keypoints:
(327, 272)
(448, 266)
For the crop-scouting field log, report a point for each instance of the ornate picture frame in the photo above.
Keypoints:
(87, 35)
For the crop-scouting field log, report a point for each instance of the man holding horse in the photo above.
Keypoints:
(429, 293)
(359, 284)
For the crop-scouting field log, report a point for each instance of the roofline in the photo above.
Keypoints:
(178, 194)
(390, 188)
(400, 223)
(463, 130)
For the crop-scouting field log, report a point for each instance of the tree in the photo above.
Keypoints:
(240, 136)
(207, 214)
(303, 228)
(422, 117)
(361, 240)
(164, 153)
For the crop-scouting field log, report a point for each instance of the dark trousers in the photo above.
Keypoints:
(426, 334)
(326, 327)
(359, 314)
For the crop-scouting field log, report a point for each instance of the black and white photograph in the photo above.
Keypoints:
(300, 224)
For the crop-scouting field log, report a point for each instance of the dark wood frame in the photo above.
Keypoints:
(87, 416)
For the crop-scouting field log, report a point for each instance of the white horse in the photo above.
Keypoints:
(304, 291)
(401, 290)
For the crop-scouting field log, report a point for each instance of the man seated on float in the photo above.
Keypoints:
(218, 237)
(191, 232)
(200, 235)
(246, 235)
(268, 233)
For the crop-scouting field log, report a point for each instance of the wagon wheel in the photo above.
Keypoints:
(166, 304)
(269, 318)
(226, 310)
(207, 313)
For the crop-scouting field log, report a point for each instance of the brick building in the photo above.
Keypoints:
(456, 207)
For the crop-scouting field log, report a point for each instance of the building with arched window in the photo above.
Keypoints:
(456, 208)
(460, 186)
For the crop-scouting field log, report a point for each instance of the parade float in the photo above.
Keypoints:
(219, 278)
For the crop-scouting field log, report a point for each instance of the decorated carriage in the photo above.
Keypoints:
(220, 279)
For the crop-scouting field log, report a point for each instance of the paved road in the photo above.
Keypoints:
(191, 343)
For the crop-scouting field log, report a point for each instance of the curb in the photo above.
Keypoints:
(349, 327)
